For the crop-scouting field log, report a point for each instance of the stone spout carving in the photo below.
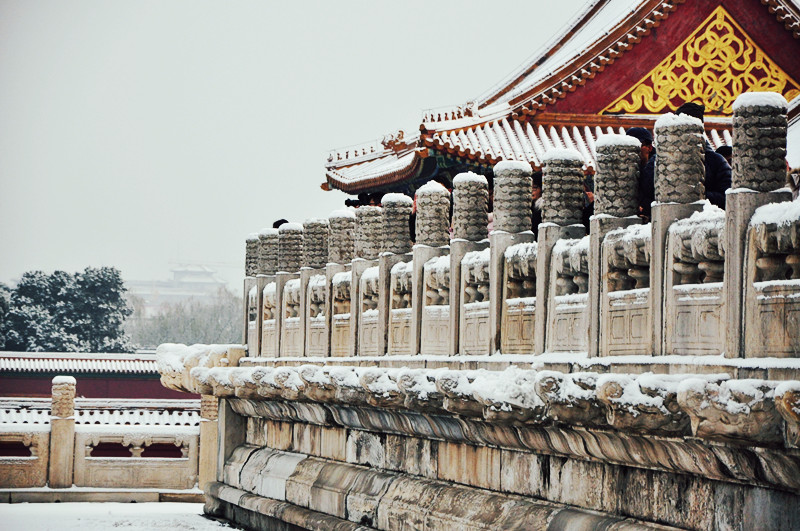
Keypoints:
(251, 255)
(433, 215)
(290, 247)
(267, 251)
(340, 238)
(396, 213)
(680, 171)
(369, 232)
(63, 397)
(571, 398)
(734, 410)
(562, 187)
(617, 179)
(470, 207)
(315, 243)
(759, 139)
(512, 196)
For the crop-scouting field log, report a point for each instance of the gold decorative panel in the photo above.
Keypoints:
(714, 65)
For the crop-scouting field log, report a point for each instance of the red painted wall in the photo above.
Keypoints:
(90, 386)
(757, 22)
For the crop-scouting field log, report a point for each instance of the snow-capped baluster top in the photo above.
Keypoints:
(315, 242)
(680, 168)
(340, 239)
(251, 255)
(369, 232)
(512, 196)
(268, 251)
(433, 215)
(616, 182)
(63, 397)
(759, 141)
(396, 213)
(562, 187)
(470, 206)
(290, 247)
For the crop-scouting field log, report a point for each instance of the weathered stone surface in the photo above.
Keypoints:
(396, 213)
(433, 215)
(562, 187)
(617, 180)
(251, 255)
(512, 196)
(267, 252)
(316, 233)
(369, 234)
(759, 140)
(341, 245)
(680, 171)
(290, 247)
(470, 207)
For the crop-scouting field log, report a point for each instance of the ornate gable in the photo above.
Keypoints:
(715, 64)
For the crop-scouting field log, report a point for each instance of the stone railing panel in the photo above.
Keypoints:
(435, 331)
(519, 298)
(474, 315)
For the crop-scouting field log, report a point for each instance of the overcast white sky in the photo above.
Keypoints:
(143, 134)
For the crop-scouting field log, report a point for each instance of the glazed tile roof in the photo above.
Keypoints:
(506, 139)
(31, 362)
(508, 121)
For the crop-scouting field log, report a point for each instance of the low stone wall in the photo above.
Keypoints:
(118, 444)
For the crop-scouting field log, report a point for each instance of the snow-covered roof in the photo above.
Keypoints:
(389, 168)
(78, 363)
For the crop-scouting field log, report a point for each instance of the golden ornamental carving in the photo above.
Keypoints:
(715, 64)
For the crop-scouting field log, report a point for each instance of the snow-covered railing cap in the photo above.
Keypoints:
(252, 237)
(761, 99)
(470, 177)
(396, 199)
(617, 140)
(291, 227)
(343, 213)
(432, 187)
(673, 120)
(512, 166)
(268, 232)
(781, 214)
(563, 154)
(315, 221)
(64, 380)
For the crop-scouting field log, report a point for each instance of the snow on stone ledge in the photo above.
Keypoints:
(470, 177)
(563, 154)
(62, 380)
(371, 273)
(344, 213)
(402, 267)
(761, 99)
(781, 214)
(343, 277)
(252, 237)
(269, 231)
(673, 120)
(438, 264)
(617, 140)
(474, 258)
(396, 199)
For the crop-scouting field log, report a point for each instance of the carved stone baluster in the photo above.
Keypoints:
(315, 243)
(290, 247)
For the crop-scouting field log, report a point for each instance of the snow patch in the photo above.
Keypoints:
(761, 99)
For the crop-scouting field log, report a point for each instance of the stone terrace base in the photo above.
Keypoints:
(314, 466)
(399, 507)
(78, 494)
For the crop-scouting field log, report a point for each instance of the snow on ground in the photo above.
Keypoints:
(105, 516)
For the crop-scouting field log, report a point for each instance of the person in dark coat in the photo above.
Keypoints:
(647, 169)
(718, 171)
(536, 203)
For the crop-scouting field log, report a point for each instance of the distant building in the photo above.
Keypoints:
(196, 282)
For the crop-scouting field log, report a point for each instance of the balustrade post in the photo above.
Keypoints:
(679, 192)
(341, 250)
(433, 237)
(250, 270)
(562, 195)
(209, 431)
(290, 260)
(62, 432)
(759, 171)
(269, 242)
(470, 231)
(616, 205)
